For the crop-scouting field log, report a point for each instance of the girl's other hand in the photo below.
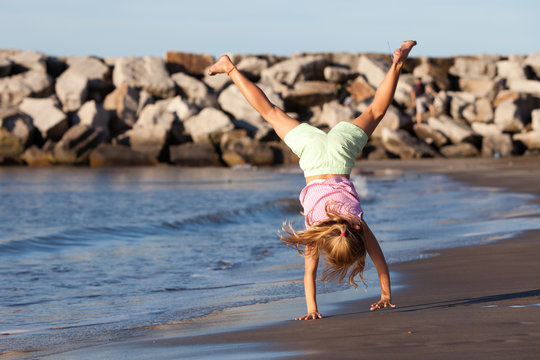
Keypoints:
(311, 316)
(381, 304)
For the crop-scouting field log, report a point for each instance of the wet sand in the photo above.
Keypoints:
(477, 302)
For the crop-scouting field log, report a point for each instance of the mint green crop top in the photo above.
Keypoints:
(323, 153)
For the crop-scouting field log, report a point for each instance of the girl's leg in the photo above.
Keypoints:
(370, 118)
(280, 121)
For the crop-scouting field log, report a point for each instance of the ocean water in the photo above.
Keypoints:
(88, 253)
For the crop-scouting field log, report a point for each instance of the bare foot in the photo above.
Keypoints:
(401, 54)
(223, 66)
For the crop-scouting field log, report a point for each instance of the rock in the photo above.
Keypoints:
(35, 156)
(76, 144)
(429, 135)
(309, 93)
(403, 144)
(195, 64)
(483, 110)
(29, 61)
(429, 72)
(94, 115)
(195, 90)
(333, 113)
(404, 89)
(530, 139)
(217, 82)
(459, 150)
(374, 69)
(508, 117)
(505, 95)
(337, 74)
(533, 61)
(127, 103)
(181, 108)
(455, 131)
(394, 120)
(535, 119)
(252, 66)
(510, 70)
(238, 149)
(19, 125)
(497, 145)
(473, 68)
(208, 122)
(82, 74)
(194, 154)
(10, 145)
(5, 67)
(361, 90)
(525, 86)
(46, 117)
(148, 73)
(232, 101)
(282, 153)
(486, 129)
(459, 101)
(113, 155)
(14, 89)
(295, 69)
(479, 88)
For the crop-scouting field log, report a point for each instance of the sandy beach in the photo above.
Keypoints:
(480, 302)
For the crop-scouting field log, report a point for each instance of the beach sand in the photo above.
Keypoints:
(476, 302)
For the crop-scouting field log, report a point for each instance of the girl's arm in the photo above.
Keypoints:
(310, 275)
(376, 254)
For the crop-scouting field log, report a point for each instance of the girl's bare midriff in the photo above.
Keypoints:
(325, 176)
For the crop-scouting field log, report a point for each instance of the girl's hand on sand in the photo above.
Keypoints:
(381, 304)
(311, 316)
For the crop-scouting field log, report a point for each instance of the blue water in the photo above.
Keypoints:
(86, 252)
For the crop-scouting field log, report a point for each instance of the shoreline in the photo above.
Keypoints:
(468, 315)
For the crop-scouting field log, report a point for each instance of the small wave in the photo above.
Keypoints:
(181, 288)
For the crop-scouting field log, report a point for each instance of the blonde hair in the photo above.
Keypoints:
(342, 252)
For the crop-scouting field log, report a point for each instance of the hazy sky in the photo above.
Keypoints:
(136, 27)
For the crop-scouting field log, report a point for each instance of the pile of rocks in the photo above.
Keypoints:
(141, 111)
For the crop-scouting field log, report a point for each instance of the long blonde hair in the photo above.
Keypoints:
(342, 252)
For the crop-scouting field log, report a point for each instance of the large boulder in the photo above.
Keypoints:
(333, 113)
(393, 119)
(181, 108)
(404, 145)
(497, 145)
(194, 154)
(195, 64)
(217, 82)
(525, 86)
(46, 117)
(18, 125)
(533, 61)
(253, 66)
(478, 68)
(83, 73)
(457, 132)
(530, 139)
(208, 122)
(232, 101)
(14, 89)
(431, 73)
(76, 144)
(195, 90)
(486, 129)
(508, 117)
(361, 90)
(34, 156)
(309, 93)
(404, 89)
(535, 119)
(114, 155)
(126, 103)
(459, 102)
(239, 149)
(429, 135)
(459, 150)
(483, 110)
(5, 66)
(11, 147)
(479, 88)
(373, 68)
(148, 73)
(94, 115)
(337, 74)
(295, 69)
(511, 70)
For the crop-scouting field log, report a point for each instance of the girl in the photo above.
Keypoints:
(334, 218)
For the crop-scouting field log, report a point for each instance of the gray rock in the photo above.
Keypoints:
(429, 135)
(124, 102)
(486, 129)
(181, 108)
(94, 115)
(429, 72)
(337, 74)
(148, 73)
(18, 125)
(46, 117)
(239, 149)
(479, 88)
(90, 68)
(525, 86)
(373, 68)
(34, 156)
(309, 93)
(394, 120)
(533, 60)
(113, 155)
(459, 101)
(508, 117)
(5, 67)
(535, 119)
(30, 60)
(404, 89)
(530, 139)
(404, 145)
(459, 150)
(217, 82)
(474, 68)
(208, 122)
(497, 145)
(455, 131)
(361, 90)
(296, 69)
(194, 154)
(14, 89)
(511, 70)
(333, 113)
(232, 101)
(76, 144)
(253, 65)
(195, 90)
(483, 110)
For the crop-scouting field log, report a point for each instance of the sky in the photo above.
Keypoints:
(107, 28)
